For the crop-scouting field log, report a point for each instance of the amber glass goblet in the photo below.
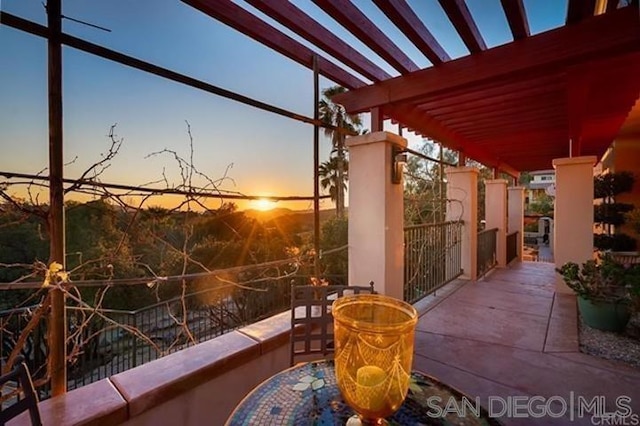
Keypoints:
(374, 337)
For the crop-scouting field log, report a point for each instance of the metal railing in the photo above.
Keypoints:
(512, 246)
(486, 250)
(117, 340)
(34, 348)
(432, 257)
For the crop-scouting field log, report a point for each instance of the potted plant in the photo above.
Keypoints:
(606, 289)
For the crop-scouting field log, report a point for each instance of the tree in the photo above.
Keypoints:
(610, 214)
(328, 172)
(335, 115)
(424, 189)
(525, 178)
(542, 205)
(335, 234)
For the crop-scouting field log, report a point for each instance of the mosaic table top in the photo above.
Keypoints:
(308, 394)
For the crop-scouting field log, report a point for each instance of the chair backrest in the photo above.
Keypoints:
(24, 385)
(312, 320)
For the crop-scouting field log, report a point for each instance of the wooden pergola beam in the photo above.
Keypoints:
(464, 24)
(477, 116)
(515, 147)
(517, 18)
(357, 23)
(463, 96)
(432, 128)
(401, 14)
(302, 24)
(600, 37)
(497, 127)
(236, 17)
(498, 104)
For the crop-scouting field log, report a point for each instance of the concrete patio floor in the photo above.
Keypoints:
(510, 334)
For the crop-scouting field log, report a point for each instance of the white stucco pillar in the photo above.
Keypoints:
(495, 214)
(376, 214)
(462, 204)
(573, 213)
(515, 216)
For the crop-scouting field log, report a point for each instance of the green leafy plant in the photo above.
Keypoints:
(606, 280)
(633, 220)
(612, 184)
(615, 242)
(610, 214)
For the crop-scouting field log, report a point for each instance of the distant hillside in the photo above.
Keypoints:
(297, 221)
(267, 215)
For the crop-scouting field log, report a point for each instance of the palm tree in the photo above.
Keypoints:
(328, 172)
(335, 115)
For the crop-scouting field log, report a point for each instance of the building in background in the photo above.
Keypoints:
(541, 185)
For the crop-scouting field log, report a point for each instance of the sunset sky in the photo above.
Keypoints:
(271, 155)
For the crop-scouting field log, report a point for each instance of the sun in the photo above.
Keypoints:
(263, 204)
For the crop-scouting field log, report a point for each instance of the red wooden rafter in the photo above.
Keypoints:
(357, 23)
(236, 17)
(517, 18)
(302, 24)
(512, 107)
(545, 53)
(401, 14)
(463, 22)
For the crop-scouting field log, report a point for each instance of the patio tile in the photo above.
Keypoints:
(524, 277)
(487, 339)
(455, 317)
(491, 296)
(614, 367)
(534, 267)
(477, 386)
(565, 307)
(529, 372)
(505, 285)
(562, 334)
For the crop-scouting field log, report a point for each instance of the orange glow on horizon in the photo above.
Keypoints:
(263, 204)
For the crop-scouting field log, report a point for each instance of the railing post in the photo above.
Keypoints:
(462, 196)
(135, 341)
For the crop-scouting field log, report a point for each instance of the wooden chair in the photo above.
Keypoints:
(24, 385)
(311, 318)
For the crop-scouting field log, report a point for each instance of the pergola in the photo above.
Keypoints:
(515, 107)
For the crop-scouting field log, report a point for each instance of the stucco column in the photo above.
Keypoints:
(515, 216)
(495, 212)
(376, 214)
(462, 204)
(573, 213)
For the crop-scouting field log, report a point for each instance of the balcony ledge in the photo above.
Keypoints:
(193, 386)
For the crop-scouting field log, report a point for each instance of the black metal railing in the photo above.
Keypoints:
(486, 250)
(172, 325)
(34, 348)
(512, 246)
(103, 342)
(432, 258)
